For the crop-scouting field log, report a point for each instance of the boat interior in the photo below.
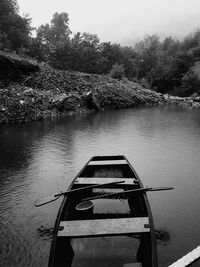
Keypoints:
(112, 231)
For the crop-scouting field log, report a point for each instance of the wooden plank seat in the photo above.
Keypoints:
(132, 264)
(107, 190)
(96, 180)
(83, 228)
(107, 162)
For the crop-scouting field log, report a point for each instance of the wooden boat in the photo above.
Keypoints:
(115, 229)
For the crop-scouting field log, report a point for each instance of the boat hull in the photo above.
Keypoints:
(115, 230)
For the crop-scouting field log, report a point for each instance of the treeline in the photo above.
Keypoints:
(167, 66)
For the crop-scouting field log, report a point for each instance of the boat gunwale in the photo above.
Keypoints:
(58, 218)
(151, 222)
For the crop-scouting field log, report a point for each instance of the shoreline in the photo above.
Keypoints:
(31, 92)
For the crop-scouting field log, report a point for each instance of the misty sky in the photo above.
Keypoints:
(120, 21)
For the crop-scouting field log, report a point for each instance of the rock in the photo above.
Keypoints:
(59, 98)
(196, 104)
(90, 101)
(2, 109)
(196, 99)
(28, 91)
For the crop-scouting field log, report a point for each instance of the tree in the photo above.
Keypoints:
(161, 76)
(116, 54)
(14, 29)
(191, 81)
(105, 62)
(36, 50)
(53, 36)
(117, 71)
(191, 41)
(147, 50)
(8, 7)
(81, 53)
(89, 49)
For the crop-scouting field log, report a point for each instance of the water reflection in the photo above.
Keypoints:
(41, 158)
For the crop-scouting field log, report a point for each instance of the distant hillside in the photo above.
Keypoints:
(178, 28)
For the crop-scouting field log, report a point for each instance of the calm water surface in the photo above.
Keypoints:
(41, 158)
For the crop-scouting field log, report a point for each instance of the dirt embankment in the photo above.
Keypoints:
(29, 91)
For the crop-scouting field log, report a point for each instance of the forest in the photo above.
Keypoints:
(167, 66)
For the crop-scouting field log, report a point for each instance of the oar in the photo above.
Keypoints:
(54, 197)
(129, 191)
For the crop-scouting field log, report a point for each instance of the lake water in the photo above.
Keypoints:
(41, 158)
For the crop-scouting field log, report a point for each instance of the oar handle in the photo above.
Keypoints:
(88, 187)
(129, 191)
(49, 199)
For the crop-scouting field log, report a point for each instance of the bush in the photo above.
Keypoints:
(117, 71)
(191, 80)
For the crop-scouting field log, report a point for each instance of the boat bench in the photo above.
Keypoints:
(86, 228)
(133, 264)
(107, 162)
(100, 180)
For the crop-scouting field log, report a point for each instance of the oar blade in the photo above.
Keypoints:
(45, 200)
(160, 188)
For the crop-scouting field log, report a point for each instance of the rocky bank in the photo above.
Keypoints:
(31, 91)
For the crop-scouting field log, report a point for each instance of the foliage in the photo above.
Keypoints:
(167, 62)
(14, 29)
(167, 66)
(147, 50)
(191, 81)
(81, 53)
(117, 71)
